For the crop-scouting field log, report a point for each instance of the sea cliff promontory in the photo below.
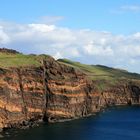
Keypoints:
(37, 88)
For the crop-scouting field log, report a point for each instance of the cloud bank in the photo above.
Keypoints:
(127, 9)
(133, 8)
(85, 45)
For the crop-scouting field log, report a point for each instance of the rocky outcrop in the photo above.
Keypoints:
(8, 51)
(55, 92)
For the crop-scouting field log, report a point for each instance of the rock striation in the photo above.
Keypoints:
(55, 92)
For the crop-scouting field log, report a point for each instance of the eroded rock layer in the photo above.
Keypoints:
(55, 92)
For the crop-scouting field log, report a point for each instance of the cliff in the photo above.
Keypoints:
(39, 88)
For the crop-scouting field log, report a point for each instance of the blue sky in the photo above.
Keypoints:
(93, 14)
(103, 32)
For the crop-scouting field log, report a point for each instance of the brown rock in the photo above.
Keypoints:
(55, 92)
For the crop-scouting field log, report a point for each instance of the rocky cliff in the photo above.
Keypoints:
(55, 92)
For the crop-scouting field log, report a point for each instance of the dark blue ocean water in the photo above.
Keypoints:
(118, 123)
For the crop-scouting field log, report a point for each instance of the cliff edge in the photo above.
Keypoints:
(36, 88)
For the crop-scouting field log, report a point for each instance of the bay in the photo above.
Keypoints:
(116, 123)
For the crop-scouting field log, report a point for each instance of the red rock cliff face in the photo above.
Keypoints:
(54, 92)
(69, 93)
(121, 94)
(21, 95)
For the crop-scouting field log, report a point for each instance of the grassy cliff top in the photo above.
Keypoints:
(12, 58)
(17, 60)
(102, 75)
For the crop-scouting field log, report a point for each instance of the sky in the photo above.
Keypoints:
(105, 32)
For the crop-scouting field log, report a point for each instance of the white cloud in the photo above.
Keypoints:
(127, 8)
(134, 8)
(95, 49)
(4, 38)
(84, 45)
(41, 27)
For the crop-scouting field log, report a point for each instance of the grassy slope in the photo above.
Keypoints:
(17, 60)
(103, 76)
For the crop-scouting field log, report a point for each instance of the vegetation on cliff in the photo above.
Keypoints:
(12, 58)
(35, 88)
(103, 76)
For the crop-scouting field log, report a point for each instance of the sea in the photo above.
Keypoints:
(114, 123)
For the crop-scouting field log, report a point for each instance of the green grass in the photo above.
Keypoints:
(103, 76)
(18, 60)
